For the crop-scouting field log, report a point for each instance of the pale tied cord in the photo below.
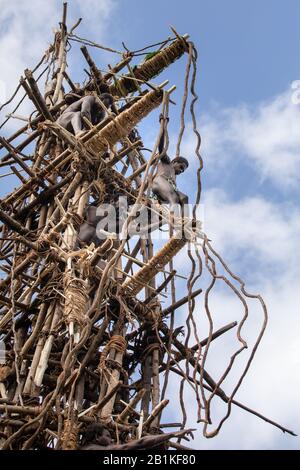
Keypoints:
(69, 435)
(149, 350)
(76, 299)
(116, 342)
(161, 44)
(87, 42)
(16, 352)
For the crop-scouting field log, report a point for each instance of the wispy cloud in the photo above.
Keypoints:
(258, 237)
(259, 240)
(266, 232)
(264, 136)
(27, 30)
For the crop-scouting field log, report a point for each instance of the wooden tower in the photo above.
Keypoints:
(88, 346)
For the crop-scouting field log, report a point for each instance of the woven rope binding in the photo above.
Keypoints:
(76, 299)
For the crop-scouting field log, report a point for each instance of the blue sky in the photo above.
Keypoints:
(256, 42)
(248, 58)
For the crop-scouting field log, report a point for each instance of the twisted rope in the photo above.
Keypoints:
(76, 298)
(5, 372)
(150, 68)
(70, 435)
(116, 342)
(156, 264)
(120, 127)
(100, 188)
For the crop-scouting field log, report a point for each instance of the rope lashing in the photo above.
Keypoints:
(100, 188)
(120, 127)
(153, 317)
(5, 372)
(116, 342)
(55, 231)
(76, 220)
(76, 299)
(52, 289)
(150, 68)
(146, 273)
(149, 351)
(154, 312)
(43, 241)
(70, 435)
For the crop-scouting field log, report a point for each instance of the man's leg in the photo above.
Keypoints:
(183, 213)
(64, 121)
(77, 122)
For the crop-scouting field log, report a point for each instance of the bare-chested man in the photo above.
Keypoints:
(164, 182)
(90, 107)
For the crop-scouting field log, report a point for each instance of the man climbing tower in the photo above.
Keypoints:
(87, 107)
(164, 182)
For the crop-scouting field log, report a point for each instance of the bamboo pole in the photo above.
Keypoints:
(29, 388)
(94, 70)
(180, 302)
(155, 412)
(150, 68)
(115, 374)
(14, 155)
(130, 407)
(39, 100)
(62, 57)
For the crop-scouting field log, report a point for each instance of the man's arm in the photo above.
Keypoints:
(162, 153)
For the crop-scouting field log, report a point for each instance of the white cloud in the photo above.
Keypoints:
(272, 384)
(265, 136)
(259, 240)
(27, 30)
(25, 35)
(267, 232)
(95, 12)
(256, 236)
